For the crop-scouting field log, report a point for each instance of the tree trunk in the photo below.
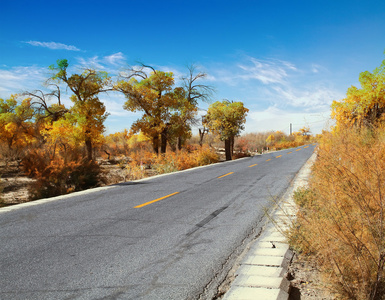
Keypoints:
(180, 143)
(155, 144)
(163, 140)
(89, 148)
(201, 135)
(228, 148)
(232, 145)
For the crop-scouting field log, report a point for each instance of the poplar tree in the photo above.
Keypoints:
(226, 119)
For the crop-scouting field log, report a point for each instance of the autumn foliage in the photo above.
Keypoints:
(58, 175)
(341, 218)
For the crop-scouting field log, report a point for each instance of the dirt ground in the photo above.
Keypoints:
(14, 185)
(306, 281)
(303, 275)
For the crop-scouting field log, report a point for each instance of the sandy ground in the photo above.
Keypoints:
(306, 281)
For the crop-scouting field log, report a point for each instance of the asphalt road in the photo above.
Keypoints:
(169, 237)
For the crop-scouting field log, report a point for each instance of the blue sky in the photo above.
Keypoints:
(286, 60)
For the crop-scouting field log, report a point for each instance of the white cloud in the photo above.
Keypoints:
(115, 59)
(110, 63)
(307, 98)
(276, 119)
(53, 45)
(91, 62)
(265, 71)
(19, 79)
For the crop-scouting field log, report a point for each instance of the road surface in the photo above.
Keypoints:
(168, 237)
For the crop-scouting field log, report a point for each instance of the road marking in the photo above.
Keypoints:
(253, 165)
(278, 156)
(306, 147)
(289, 152)
(268, 159)
(147, 203)
(298, 149)
(226, 174)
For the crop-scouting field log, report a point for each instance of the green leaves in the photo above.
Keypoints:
(226, 118)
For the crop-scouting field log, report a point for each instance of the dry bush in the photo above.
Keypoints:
(205, 156)
(57, 175)
(174, 161)
(252, 142)
(135, 171)
(341, 217)
(286, 145)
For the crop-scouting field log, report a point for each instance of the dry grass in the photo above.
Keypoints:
(341, 217)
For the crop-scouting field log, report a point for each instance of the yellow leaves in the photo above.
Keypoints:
(16, 129)
(226, 118)
(10, 127)
(270, 139)
(364, 106)
(63, 133)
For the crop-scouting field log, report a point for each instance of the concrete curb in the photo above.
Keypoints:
(262, 272)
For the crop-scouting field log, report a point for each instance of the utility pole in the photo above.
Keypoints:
(291, 129)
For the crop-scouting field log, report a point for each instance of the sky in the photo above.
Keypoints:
(285, 60)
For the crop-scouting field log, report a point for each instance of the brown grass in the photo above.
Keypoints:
(341, 217)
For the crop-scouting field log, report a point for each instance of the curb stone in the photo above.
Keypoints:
(262, 273)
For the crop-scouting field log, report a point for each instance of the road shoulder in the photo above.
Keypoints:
(262, 272)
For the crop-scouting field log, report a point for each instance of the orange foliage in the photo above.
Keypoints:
(58, 176)
(342, 215)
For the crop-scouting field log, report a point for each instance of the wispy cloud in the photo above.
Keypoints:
(116, 59)
(91, 62)
(19, 79)
(110, 63)
(53, 45)
(308, 98)
(266, 71)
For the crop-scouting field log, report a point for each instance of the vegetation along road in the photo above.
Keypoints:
(167, 237)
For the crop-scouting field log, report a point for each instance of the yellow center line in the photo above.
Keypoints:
(226, 174)
(268, 159)
(289, 152)
(278, 156)
(298, 149)
(147, 203)
(306, 147)
(253, 165)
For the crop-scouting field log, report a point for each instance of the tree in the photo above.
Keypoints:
(364, 106)
(195, 91)
(304, 131)
(16, 125)
(226, 119)
(44, 107)
(154, 96)
(88, 112)
(181, 118)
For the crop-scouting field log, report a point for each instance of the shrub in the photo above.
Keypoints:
(56, 176)
(206, 156)
(165, 163)
(176, 161)
(341, 219)
(135, 171)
